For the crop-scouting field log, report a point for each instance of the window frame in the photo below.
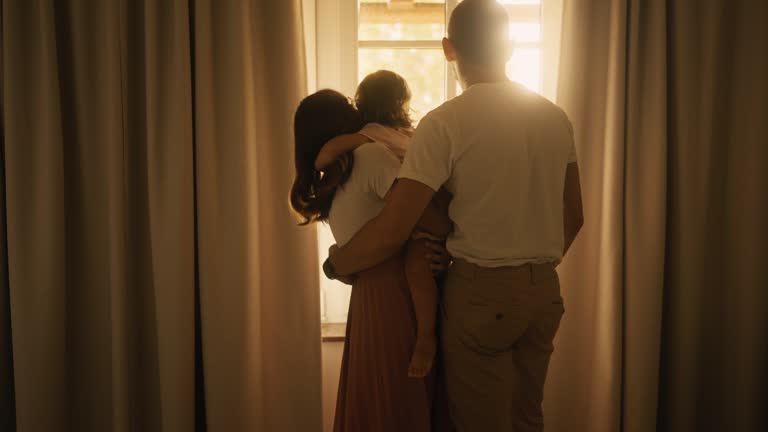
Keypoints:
(450, 80)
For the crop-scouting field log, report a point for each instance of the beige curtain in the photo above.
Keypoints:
(714, 363)
(99, 215)
(7, 408)
(258, 270)
(145, 159)
(664, 288)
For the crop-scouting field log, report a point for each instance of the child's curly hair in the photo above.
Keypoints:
(384, 97)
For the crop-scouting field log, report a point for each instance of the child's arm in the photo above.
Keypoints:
(337, 147)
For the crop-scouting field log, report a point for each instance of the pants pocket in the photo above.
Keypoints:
(494, 326)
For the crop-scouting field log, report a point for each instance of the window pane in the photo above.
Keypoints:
(401, 20)
(525, 68)
(423, 69)
(334, 295)
(524, 32)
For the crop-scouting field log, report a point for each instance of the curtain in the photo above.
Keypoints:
(7, 408)
(714, 358)
(663, 329)
(258, 271)
(146, 165)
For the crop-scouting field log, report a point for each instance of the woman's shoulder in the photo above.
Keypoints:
(375, 153)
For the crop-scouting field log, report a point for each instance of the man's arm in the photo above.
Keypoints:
(435, 220)
(385, 234)
(573, 215)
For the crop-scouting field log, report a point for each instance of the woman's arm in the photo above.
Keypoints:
(337, 147)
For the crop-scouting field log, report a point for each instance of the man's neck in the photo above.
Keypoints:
(472, 75)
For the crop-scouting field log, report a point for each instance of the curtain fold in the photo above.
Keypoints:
(156, 96)
(36, 119)
(645, 176)
(7, 398)
(591, 88)
(714, 364)
(99, 205)
(258, 270)
(664, 288)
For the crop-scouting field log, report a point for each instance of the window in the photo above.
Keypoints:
(356, 37)
(405, 36)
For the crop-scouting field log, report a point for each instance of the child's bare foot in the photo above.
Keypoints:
(423, 356)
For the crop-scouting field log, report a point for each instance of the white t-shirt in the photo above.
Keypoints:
(502, 151)
(361, 198)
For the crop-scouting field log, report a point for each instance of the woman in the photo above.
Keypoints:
(375, 392)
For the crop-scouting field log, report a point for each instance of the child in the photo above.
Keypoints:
(383, 101)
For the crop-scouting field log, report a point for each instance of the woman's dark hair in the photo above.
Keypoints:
(384, 97)
(320, 117)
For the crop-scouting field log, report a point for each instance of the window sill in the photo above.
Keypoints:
(333, 332)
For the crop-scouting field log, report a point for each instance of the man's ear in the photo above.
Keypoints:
(448, 50)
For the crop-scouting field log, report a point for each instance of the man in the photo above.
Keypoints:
(507, 156)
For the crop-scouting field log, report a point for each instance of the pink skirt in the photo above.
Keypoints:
(375, 392)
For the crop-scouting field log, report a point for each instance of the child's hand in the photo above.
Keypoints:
(439, 258)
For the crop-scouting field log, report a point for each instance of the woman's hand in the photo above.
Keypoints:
(347, 280)
(439, 258)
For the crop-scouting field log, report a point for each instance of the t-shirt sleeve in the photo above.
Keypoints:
(379, 165)
(429, 159)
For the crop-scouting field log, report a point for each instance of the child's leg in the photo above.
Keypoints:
(424, 295)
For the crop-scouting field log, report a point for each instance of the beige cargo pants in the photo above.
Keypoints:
(497, 330)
